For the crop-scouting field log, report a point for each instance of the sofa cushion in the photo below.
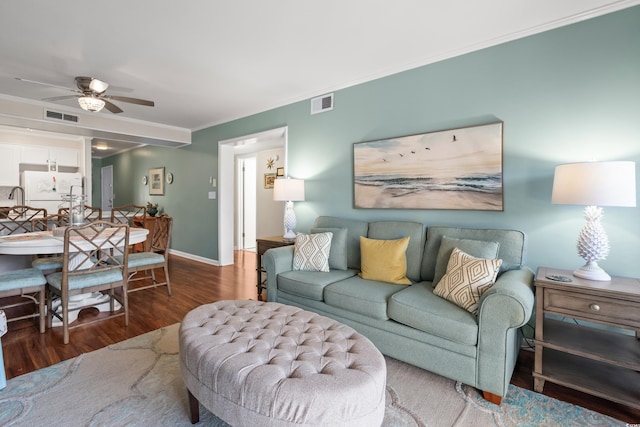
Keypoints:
(476, 248)
(311, 252)
(418, 307)
(466, 279)
(338, 252)
(355, 229)
(391, 230)
(512, 250)
(366, 297)
(385, 260)
(311, 284)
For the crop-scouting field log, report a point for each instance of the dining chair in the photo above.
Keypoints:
(94, 260)
(18, 219)
(156, 257)
(125, 213)
(130, 214)
(91, 213)
(49, 262)
(27, 283)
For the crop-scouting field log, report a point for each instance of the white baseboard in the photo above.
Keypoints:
(194, 257)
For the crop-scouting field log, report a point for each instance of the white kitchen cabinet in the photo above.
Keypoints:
(65, 156)
(44, 156)
(9, 168)
(34, 155)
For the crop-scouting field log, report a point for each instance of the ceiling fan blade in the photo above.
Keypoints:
(58, 98)
(130, 100)
(111, 106)
(46, 84)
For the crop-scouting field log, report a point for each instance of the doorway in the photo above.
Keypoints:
(106, 186)
(246, 209)
(227, 151)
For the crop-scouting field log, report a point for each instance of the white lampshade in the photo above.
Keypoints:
(595, 184)
(288, 190)
(89, 103)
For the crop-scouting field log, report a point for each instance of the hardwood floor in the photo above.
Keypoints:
(193, 284)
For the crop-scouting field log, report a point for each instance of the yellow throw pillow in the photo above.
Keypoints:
(384, 260)
(466, 279)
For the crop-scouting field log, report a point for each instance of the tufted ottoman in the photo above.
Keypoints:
(255, 363)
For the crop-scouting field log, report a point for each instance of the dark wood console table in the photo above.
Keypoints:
(263, 244)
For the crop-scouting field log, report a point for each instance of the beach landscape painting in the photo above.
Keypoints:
(455, 169)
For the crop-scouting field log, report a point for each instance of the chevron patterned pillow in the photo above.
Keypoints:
(311, 252)
(466, 279)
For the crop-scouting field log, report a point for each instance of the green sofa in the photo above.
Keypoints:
(411, 323)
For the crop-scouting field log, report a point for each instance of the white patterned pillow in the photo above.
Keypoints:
(311, 252)
(466, 279)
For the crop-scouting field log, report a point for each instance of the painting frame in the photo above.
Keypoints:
(280, 172)
(451, 169)
(156, 181)
(269, 180)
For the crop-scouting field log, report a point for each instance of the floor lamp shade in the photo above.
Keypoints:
(289, 191)
(594, 184)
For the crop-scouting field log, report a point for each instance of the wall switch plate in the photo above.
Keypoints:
(212, 195)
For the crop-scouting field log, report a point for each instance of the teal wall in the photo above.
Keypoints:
(96, 188)
(571, 94)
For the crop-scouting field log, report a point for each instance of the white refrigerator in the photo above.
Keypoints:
(45, 189)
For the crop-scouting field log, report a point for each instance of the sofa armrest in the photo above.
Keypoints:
(509, 301)
(504, 308)
(276, 261)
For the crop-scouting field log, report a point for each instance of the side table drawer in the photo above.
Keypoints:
(604, 309)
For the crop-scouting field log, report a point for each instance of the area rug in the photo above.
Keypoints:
(137, 383)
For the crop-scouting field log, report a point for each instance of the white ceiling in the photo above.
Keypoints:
(206, 62)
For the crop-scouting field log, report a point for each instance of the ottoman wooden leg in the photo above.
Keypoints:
(194, 408)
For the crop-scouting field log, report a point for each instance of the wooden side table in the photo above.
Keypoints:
(600, 362)
(263, 244)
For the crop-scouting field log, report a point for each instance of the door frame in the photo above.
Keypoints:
(245, 204)
(102, 184)
(226, 179)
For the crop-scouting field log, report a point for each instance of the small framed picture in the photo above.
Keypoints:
(269, 179)
(156, 181)
(280, 172)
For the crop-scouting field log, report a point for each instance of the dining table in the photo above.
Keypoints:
(47, 243)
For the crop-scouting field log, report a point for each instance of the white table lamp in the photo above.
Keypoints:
(594, 184)
(289, 190)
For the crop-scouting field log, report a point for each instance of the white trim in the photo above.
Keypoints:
(192, 257)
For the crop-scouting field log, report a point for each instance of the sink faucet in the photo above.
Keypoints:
(13, 193)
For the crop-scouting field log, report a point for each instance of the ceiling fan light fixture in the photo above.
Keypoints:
(98, 86)
(89, 103)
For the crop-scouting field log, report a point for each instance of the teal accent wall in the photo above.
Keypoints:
(96, 188)
(566, 95)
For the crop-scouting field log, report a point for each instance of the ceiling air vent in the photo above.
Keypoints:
(55, 115)
(322, 103)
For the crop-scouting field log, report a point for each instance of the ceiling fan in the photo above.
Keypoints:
(91, 95)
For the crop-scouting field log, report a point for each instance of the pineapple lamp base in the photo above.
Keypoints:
(592, 271)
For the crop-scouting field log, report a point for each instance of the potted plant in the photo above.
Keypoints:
(152, 209)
